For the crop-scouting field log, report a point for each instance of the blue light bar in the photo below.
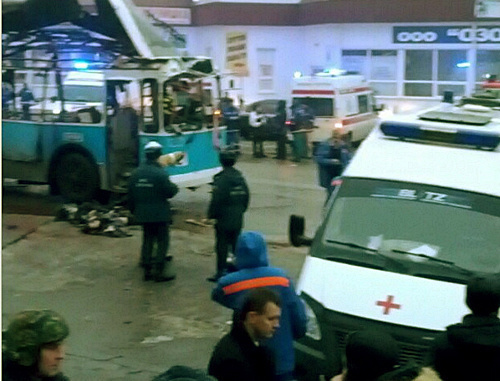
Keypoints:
(477, 138)
(401, 130)
(410, 131)
(81, 65)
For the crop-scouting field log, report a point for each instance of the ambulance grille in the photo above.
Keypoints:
(412, 352)
(408, 352)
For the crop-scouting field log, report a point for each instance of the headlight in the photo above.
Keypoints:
(313, 330)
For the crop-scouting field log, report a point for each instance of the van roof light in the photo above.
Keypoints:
(480, 139)
(334, 72)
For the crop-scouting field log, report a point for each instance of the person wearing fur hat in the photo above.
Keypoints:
(470, 350)
(34, 347)
(373, 355)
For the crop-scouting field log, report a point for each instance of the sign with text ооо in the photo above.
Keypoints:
(461, 34)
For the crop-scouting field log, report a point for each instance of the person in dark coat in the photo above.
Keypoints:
(7, 98)
(281, 131)
(470, 350)
(149, 190)
(230, 199)
(27, 100)
(239, 355)
(303, 120)
(332, 156)
(254, 271)
(33, 347)
(373, 355)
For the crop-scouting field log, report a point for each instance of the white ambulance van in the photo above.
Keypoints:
(417, 213)
(338, 100)
(81, 90)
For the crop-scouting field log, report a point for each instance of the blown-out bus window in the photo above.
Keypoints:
(149, 105)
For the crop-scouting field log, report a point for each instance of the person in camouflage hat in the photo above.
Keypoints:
(33, 347)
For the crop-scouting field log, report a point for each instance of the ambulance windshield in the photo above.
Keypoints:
(88, 94)
(450, 226)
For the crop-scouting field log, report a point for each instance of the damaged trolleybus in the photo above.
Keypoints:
(83, 130)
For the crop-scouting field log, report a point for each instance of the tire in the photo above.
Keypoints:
(76, 178)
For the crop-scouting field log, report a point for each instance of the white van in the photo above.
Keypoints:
(81, 90)
(338, 100)
(416, 214)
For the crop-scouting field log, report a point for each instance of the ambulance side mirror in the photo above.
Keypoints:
(378, 108)
(296, 228)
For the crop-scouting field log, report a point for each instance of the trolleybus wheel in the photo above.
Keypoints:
(76, 178)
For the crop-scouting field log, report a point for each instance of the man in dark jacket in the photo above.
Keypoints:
(230, 198)
(254, 272)
(34, 347)
(332, 156)
(239, 355)
(149, 189)
(27, 100)
(470, 350)
(281, 130)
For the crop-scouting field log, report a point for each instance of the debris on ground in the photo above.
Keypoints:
(94, 218)
(203, 222)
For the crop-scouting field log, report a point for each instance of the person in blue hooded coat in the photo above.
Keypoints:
(253, 271)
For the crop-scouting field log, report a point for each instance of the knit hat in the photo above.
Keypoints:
(370, 354)
(228, 156)
(483, 294)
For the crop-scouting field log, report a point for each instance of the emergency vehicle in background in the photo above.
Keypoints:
(417, 213)
(487, 95)
(337, 100)
(491, 83)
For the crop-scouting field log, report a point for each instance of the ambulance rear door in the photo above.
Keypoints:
(319, 95)
(356, 114)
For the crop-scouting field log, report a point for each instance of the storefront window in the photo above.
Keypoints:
(383, 88)
(457, 90)
(383, 65)
(452, 65)
(355, 61)
(418, 89)
(487, 62)
(418, 66)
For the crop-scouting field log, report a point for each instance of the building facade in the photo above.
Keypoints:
(410, 51)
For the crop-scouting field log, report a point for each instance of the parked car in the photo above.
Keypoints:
(269, 107)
